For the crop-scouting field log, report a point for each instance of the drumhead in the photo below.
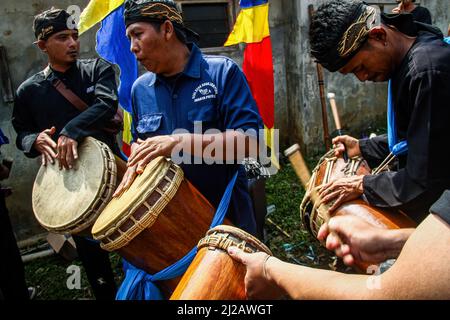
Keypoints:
(62, 198)
(237, 237)
(119, 210)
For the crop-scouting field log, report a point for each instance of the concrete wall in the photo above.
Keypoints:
(362, 106)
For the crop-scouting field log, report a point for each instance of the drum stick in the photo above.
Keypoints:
(323, 102)
(270, 221)
(332, 97)
(298, 163)
(302, 171)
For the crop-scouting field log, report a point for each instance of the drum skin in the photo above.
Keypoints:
(69, 201)
(213, 274)
(182, 218)
(330, 169)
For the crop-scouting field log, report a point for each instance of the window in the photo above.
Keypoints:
(212, 20)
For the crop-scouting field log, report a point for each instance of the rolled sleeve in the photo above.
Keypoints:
(442, 207)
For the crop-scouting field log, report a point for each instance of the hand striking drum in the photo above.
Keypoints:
(69, 201)
(331, 168)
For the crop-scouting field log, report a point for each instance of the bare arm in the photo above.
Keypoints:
(420, 272)
(226, 146)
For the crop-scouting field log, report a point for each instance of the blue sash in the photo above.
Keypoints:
(139, 285)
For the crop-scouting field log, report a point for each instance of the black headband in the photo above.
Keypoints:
(352, 39)
(50, 22)
(156, 11)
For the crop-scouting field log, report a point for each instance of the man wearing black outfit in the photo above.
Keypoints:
(47, 124)
(417, 61)
(420, 14)
(12, 275)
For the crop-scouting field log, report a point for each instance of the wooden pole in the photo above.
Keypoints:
(323, 102)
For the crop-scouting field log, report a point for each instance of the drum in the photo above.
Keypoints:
(213, 274)
(157, 221)
(69, 201)
(331, 168)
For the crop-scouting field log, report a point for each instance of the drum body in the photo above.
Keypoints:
(157, 221)
(213, 274)
(331, 168)
(69, 201)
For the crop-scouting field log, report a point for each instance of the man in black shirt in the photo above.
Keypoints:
(420, 14)
(12, 274)
(48, 124)
(354, 41)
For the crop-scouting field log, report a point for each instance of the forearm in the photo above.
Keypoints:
(309, 284)
(374, 150)
(393, 240)
(226, 146)
(25, 142)
(93, 118)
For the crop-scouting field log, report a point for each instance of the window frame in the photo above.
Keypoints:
(231, 9)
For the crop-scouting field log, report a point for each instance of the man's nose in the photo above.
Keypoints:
(134, 47)
(72, 42)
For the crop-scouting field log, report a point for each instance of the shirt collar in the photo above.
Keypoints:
(192, 68)
(50, 73)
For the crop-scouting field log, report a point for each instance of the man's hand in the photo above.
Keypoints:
(351, 146)
(149, 149)
(67, 152)
(126, 182)
(398, 9)
(46, 146)
(258, 285)
(362, 241)
(341, 190)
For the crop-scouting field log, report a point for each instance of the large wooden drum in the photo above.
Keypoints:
(157, 221)
(69, 201)
(214, 275)
(331, 168)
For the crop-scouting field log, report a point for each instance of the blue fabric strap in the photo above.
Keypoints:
(139, 285)
(397, 148)
(3, 138)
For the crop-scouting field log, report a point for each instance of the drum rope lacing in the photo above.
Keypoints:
(139, 285)
(349, 169)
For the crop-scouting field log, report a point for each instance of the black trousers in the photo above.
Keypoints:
(12, 274)
(96, 263)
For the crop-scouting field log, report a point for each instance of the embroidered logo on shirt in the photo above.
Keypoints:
(207, 90)
(90, 89)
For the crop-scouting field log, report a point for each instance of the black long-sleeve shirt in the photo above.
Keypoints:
(422, 14)
(442, 207)
(39, 106)
(421, 92)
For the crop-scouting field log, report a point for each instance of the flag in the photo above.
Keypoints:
(113, 46)
(252, 28)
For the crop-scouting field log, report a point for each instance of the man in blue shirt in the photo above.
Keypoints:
(185, 89)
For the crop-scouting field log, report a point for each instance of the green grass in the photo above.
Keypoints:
(286, 193)
(49, 275)
(283, 190)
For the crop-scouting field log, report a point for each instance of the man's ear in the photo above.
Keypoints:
(168, 29)
(42, 44)
(378, 34)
